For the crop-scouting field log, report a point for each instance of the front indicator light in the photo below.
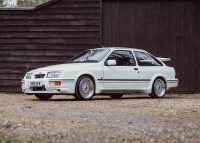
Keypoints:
(55, 83)
(22, 83)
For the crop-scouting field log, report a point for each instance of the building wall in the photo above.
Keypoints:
(46, 36)
(52, 34)
(198, 49)
(164, 28)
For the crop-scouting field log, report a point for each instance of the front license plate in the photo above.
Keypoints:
(36, 84)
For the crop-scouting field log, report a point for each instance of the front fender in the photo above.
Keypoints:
(95, 77)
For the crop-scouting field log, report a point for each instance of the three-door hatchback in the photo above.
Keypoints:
(106, 71)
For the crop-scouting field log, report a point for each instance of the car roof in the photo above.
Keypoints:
(122, 48)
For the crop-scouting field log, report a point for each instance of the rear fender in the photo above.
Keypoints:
(156, 76)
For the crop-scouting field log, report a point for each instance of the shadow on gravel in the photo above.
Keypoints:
(125, 97)
(104, 98)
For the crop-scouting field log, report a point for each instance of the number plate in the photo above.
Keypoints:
(36, 84)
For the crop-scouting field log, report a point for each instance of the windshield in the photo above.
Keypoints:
(94, 56)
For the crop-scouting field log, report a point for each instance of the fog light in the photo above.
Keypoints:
(22, 83)
(55, 83)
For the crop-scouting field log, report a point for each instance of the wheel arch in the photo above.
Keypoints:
(87, 75)
(93, 78)
(158, 76)
(162, 78)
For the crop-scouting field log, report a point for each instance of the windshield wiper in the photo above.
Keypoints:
(90, 61)
(73, 62)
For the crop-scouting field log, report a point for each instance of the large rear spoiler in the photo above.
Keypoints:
(164, 59)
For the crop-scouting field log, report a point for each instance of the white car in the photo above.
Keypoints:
(102, 71)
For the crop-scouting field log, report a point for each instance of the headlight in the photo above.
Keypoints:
(54, 74)
(29, 75)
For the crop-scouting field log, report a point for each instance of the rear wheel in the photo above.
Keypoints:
(158, 88)
(43, 96)
(85, 88)
(116, 96)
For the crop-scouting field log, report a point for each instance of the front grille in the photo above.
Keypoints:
(39, 75)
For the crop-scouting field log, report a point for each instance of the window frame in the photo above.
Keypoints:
(133, 58)
(160, 63)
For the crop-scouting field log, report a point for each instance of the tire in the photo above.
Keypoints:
(76, 97)
(158, 88)
(116, 96)
(85, 88)
(152, 96)
(43, 96)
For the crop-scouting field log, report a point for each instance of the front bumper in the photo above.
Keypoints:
(67, 86)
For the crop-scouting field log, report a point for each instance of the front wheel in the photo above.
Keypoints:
(85, 88)
(158, 88)
(43, 96)
(116, 96)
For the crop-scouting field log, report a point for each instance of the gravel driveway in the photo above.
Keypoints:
(134, 118)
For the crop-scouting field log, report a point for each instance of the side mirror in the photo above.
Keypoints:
(111, 63)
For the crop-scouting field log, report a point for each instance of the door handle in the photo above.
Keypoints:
(135, 68)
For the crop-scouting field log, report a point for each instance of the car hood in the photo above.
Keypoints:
(64, 66)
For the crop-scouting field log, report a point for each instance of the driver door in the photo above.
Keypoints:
(123, 75)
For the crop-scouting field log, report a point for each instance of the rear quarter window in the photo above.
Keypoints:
(145, 59)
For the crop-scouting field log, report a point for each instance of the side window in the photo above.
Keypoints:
(144, 59)
(122, 57)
